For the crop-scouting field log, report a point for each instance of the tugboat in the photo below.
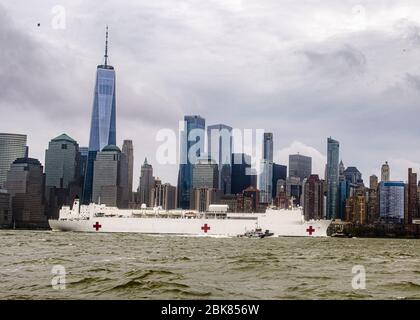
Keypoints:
(257, 233)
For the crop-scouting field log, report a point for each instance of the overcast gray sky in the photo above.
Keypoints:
(304, 70)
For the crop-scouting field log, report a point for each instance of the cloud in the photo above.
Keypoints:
(303, 70)
(318, 159)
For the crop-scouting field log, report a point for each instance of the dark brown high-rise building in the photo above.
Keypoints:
(373, 182)
(127, 149)
(372, 206)
(26, 184)
(314, 198)
(356, 208)
(412, 201)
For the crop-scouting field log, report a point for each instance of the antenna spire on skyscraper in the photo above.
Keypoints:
(106, 46)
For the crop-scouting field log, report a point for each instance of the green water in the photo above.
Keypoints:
(134, 266)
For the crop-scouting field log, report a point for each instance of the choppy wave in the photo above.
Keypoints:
(132, 266)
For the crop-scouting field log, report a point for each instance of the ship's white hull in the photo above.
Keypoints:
(280, 224)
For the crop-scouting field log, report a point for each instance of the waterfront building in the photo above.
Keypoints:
(372, 205)
(266, 181)
(103, 121)
(109, 184)
(147, 182)
(163, 195)
(332, 176)
(12, 146)
(192, 136)
(391, 201)
(62, 174)
(314, 198)
(5, 209)
(128, 151)
(25, 183)
(219, 144)
(266, 175)
(356, 209)
(412, 200)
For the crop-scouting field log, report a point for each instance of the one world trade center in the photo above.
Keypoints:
(103, 123)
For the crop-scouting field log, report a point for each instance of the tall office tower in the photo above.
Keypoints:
(62, 174)
(279, 173)
(333, 150)
(385, 172)
(314, 198)
(343, 195)
(192, 147)
(372, 205)
(266, 175)
(220, 150)
(128, 151)
(300, 166)
(164, 195)
(205, 174)
(147, 182)
(391, 201)
(26, 184)
(84, 152)
(12, 146)
(412, 203)
(266, 181)
(268, 146)
(373, 182)
(5, 209)
(241, 167)
(103, 122)
(107, 177)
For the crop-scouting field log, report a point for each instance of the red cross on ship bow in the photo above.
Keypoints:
(205, 228)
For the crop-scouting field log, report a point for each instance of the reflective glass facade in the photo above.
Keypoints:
(191, 137)
(103, 122)
(333, 153)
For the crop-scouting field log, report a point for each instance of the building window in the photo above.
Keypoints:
(63, 146)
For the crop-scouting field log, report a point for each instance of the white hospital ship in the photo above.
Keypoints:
(215, 222)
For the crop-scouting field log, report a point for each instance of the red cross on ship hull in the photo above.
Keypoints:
(205, 228)
(310, 230)
(97, 226)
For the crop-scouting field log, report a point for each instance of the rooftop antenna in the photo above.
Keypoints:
(106, 47)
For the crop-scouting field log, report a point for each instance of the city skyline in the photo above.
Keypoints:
(155, 92)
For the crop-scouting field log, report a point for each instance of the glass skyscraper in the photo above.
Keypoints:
(266, 175)
(333, 150)
(12, 146)
(219, 137)
(103, 122)
(192, 137)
